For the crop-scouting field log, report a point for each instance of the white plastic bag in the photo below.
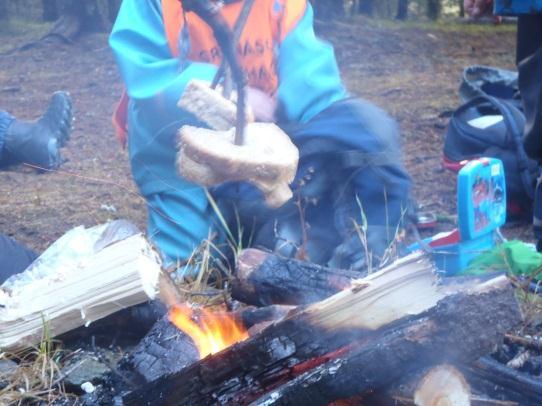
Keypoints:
(71, 251)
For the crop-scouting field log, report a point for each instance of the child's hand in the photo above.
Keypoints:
(478, 8)
(260, 104)
(263, 106)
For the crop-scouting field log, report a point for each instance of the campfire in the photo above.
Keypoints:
(317, 335)
(337, 343)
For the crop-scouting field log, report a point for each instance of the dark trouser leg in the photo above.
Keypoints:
(529, 59)
(371, 190)
(529, 36)
(529, 55)
(14, 257)
(350, 169)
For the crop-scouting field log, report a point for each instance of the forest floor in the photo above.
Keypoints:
(412, 70)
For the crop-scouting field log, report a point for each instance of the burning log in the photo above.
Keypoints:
(166, 349)
(392, 322)
(254, 316)
(264, 278)
(118, 276)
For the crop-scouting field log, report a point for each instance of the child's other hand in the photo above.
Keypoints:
(263, 106)
(260, 104)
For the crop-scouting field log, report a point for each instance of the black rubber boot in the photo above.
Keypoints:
(38, 142)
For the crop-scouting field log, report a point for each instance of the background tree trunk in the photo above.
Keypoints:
(366, 7)
(4, 10)
(402, 10)
(328, 8)
(93, 15)
(434, 8)
(461, 9)
(50, 10)
(80, 16)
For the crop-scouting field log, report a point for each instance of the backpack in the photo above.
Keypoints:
(489, 127)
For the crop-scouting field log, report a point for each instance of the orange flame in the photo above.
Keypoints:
(211, 332)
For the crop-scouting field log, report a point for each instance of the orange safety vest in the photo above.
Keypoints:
(267, 25)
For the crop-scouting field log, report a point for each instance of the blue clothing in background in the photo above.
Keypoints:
(5, 121)
(517, 7)
(14, 257)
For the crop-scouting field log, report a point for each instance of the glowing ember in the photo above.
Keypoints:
(211, 332)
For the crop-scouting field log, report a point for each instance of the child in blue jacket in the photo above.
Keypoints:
(350, 161)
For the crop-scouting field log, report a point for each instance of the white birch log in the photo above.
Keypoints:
(120, 275)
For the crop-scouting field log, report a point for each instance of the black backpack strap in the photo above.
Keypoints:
(509, 114)
(537, 214)
(514, 121)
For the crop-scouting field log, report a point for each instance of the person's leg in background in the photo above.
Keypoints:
(372, 186)
(529, 36)
(14, 257)
(350, 169)
(5, 122)
(179, 220)
(529, 60)
(37, 142)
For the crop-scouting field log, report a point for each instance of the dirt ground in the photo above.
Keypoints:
(411, 70)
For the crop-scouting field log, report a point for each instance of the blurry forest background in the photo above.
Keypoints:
(99, 14)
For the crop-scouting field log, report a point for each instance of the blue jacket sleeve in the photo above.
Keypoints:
(307, 67)
(179, 217)
(145, 61)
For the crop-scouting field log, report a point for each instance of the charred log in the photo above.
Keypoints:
(386, 325)
(498, 381)
(417, 343)
(164, 350)
(254, 316)
(264, 278)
